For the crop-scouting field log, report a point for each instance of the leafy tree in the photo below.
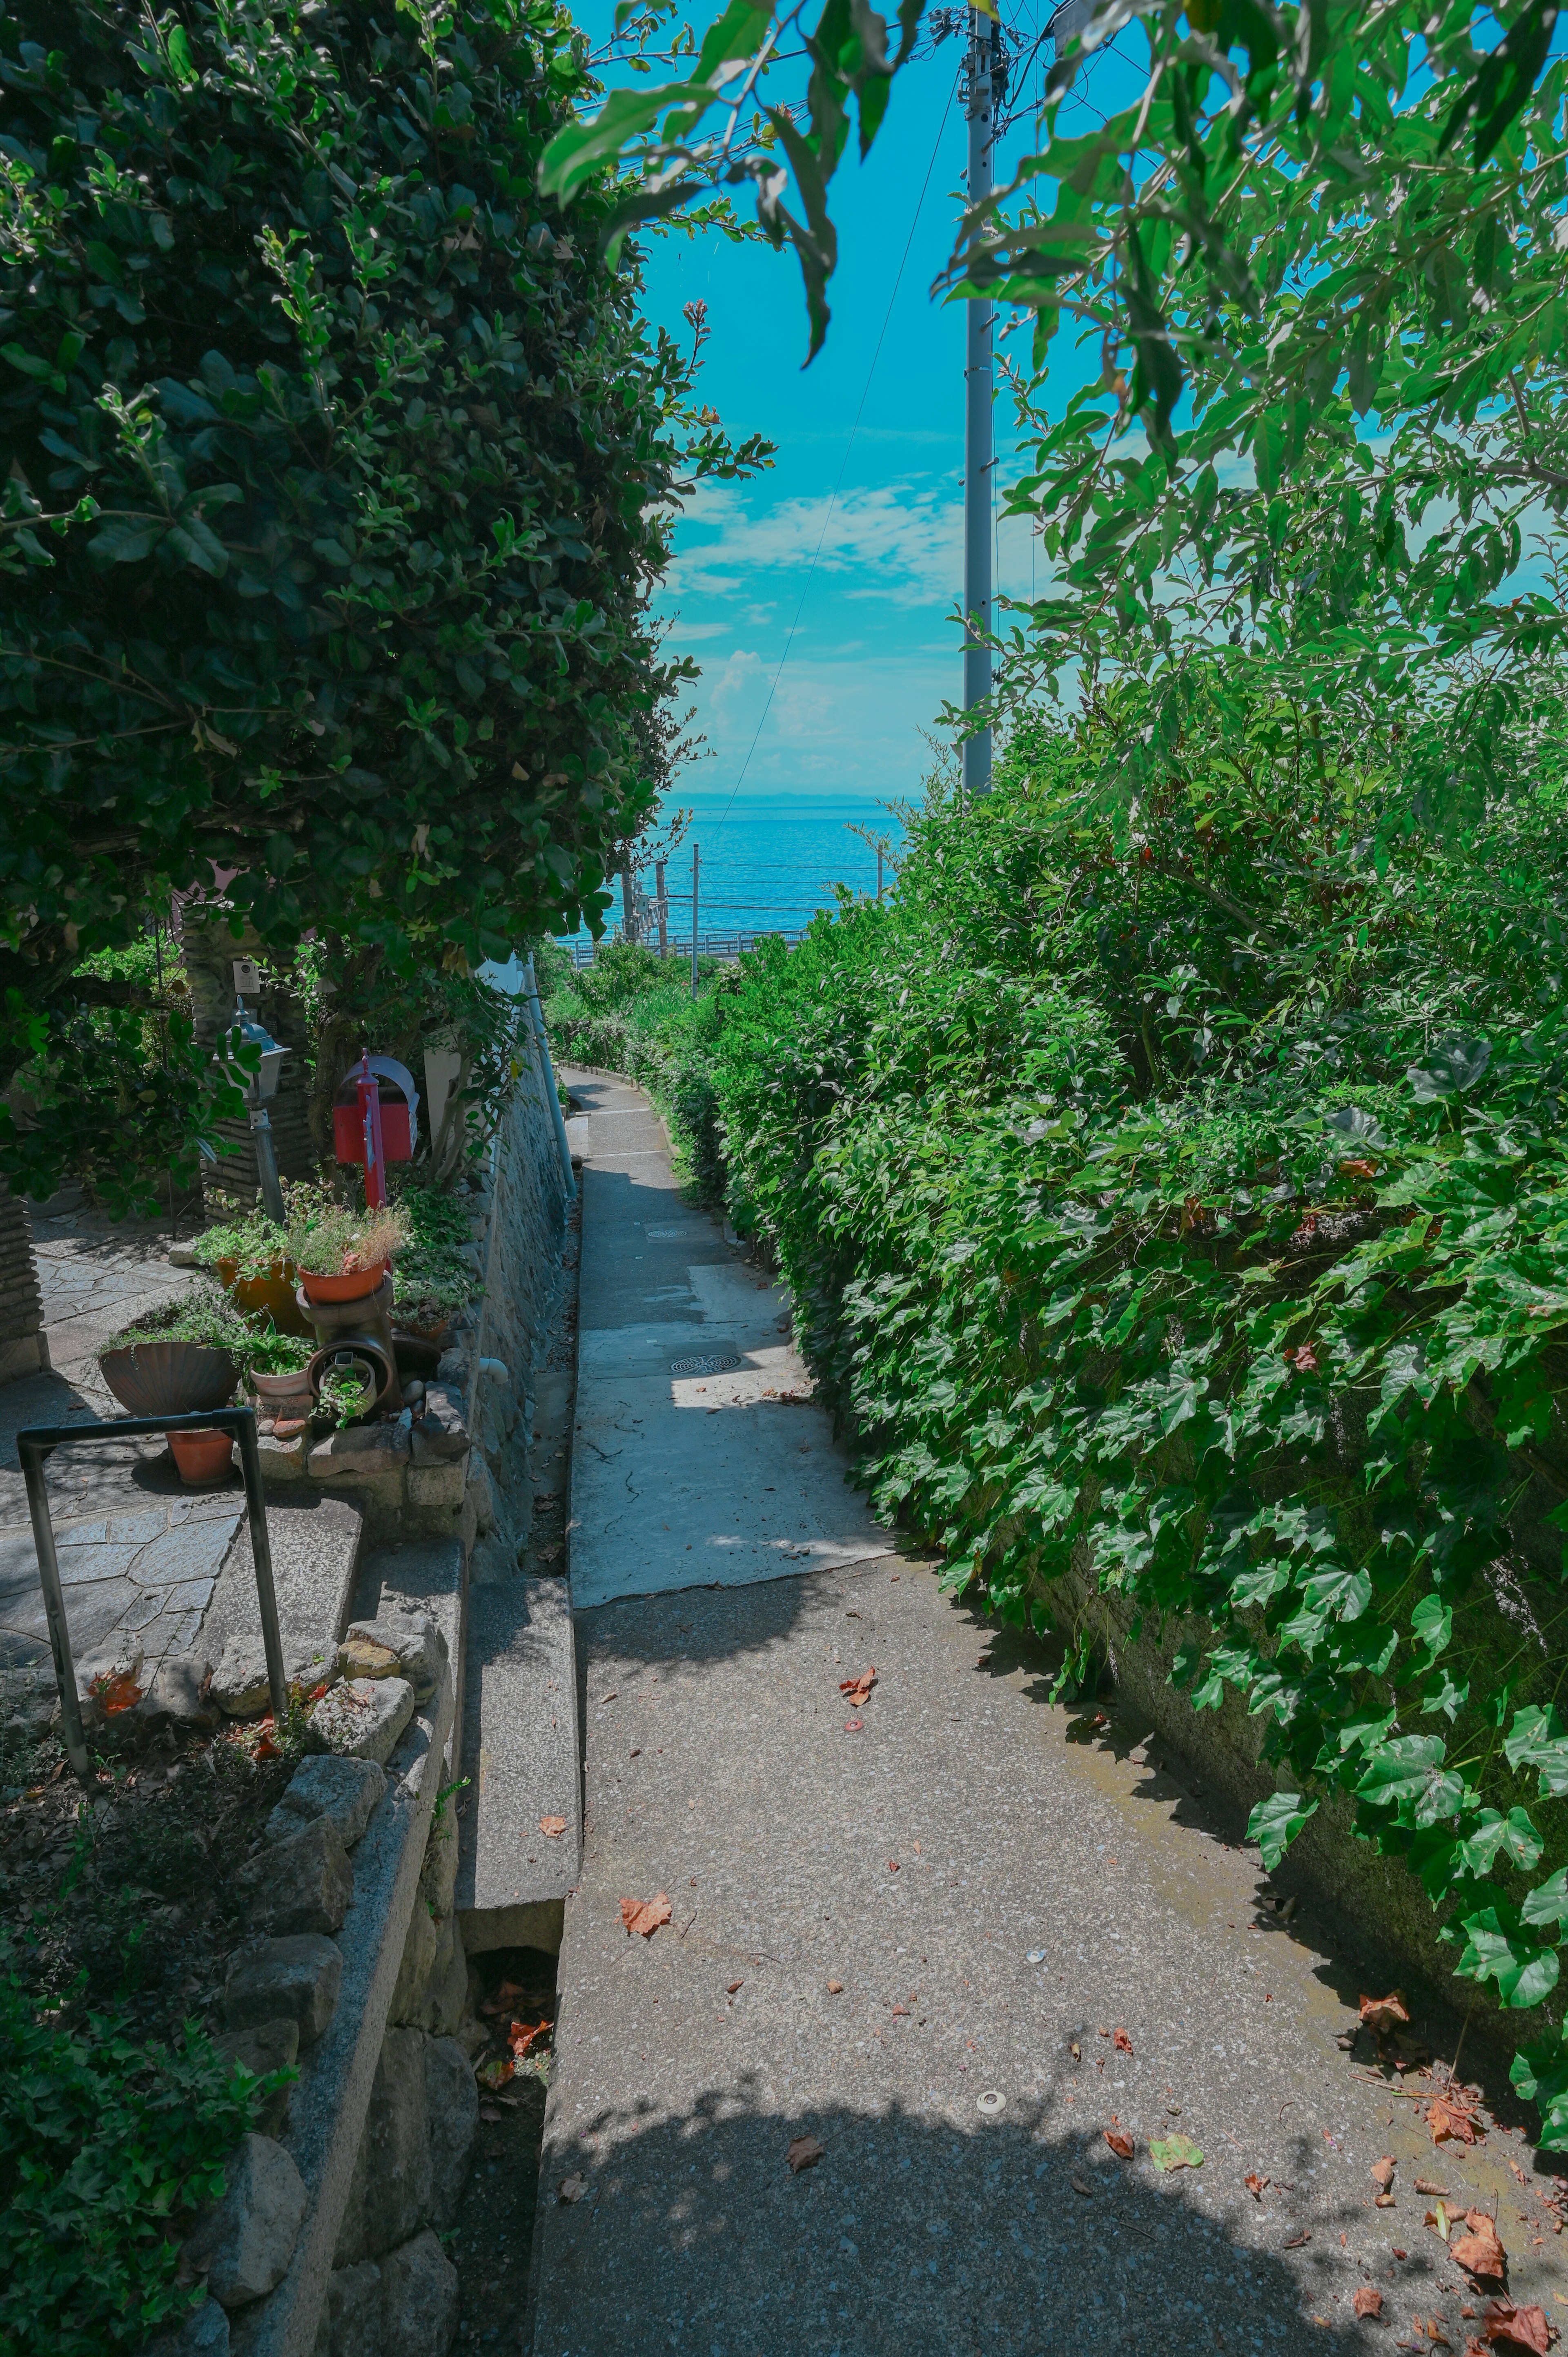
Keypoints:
(1322, 253)
(336, 467)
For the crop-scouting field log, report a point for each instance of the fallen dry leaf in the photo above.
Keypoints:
(1383, 2015)
(1446, 2119)
(1119, 2142)
(857, 1690)
(892, 1866)
(572, 2188)
(1368, 2302)
(1255, 2184)
(645, 1915)
(1430, 2185)
(1383, 2171)
(1383, 2201)
(739, 1984)
(1479, 2251)
(835, 1988)
(1080, 2187)
(552, 1827)
(804, 2153)
(1121, 2042)
(1296, 2241)
(1520, 2328)
(522, 2035)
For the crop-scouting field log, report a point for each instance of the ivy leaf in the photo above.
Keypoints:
(1431, 1625)
(1409, 1771)
(1548, 1903)
(1513, 1837)
(1539, 2073)
(1345, 1594)
(1275, 1822)
(1524, 1972)
(1536, 1739)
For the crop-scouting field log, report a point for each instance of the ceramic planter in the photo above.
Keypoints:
(286, 1395)
(360, 1355)
(355, 1286)
(203, 1457)
(169, 1378)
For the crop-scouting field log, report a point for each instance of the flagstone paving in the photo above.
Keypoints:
(139, 1555)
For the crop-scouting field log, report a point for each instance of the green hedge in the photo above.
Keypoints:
(1178, 1197)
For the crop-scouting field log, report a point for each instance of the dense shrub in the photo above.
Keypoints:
(334, 496)
(106, 2143)
(1185, 1207)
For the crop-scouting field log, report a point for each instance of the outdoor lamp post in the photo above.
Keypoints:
(260, 1091)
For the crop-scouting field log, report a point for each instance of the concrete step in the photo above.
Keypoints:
(521, 1753)
(425, 1576)
(314, 1544)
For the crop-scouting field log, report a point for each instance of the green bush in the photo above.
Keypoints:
(335, 482)
(105, 2145)
(1183, 1207)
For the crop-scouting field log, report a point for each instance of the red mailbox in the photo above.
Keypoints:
(399, 1104)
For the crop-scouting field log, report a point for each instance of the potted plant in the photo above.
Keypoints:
(277, 1369)
(348, 1388)
(248, 1258)
(342, 1255)
(181, 1360)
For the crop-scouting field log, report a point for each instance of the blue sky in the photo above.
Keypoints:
(875, 653)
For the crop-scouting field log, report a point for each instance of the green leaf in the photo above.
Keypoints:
(1513, 1837)
(1275, 1822)
(1175, 2152)
(1524, 1972)
(1548, 1903)
(579, 152)
(1409, 1769)
(1536, 1739)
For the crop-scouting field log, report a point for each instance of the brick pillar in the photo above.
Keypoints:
(24, 1348)
(210, 950)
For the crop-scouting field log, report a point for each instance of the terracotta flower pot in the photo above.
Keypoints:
(271, 1295)
(203, 1457)
(353, 1286)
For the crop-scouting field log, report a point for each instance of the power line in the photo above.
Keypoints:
(843, 468)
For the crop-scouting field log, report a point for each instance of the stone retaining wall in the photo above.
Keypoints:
(336, 2231)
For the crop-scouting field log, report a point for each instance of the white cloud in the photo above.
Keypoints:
(905, 541)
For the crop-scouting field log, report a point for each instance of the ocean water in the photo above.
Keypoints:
(770, 861)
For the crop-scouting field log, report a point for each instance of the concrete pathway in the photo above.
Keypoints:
(697, 1455)
(953, 1936)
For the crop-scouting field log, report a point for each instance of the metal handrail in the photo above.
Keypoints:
(34, 1449)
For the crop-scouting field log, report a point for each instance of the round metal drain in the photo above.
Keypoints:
(701, 1366)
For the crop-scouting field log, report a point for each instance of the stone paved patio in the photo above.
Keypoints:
(139, 1554)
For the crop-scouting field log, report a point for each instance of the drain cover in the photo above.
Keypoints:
(701, 1366)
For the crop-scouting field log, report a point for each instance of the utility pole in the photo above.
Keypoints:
(983, 61)
(693, 920)
(663, 909)
(628, 919)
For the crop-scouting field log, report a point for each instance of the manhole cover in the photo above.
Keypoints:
(701, 1366)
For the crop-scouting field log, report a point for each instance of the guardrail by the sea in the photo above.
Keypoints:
(726, 946)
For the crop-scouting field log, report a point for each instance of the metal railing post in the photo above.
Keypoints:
(36, 1444)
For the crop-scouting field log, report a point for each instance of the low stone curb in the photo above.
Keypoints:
(334, 2091)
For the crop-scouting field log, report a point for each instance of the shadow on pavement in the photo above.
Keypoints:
(913, 2234)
